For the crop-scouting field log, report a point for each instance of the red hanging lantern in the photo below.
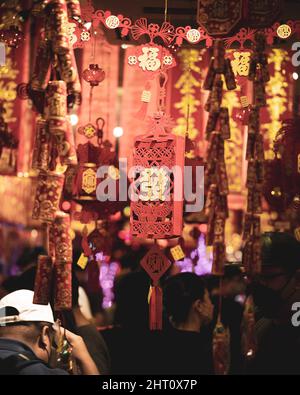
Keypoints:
(219, 17)
(91, 157)
(93, 75)
(156, 211)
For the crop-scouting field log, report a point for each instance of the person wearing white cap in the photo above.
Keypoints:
(27, 338)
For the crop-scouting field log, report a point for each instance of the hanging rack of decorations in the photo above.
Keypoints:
(173, 37)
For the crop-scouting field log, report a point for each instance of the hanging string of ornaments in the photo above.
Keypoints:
(216, 183)
(173, 37)
(54, 89)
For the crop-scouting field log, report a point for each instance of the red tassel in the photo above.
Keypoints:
(85, 243)
(155, 308)
(93, 285)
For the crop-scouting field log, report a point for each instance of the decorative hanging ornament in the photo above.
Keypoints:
(221, 348)
(155, 264)
(60, 236)
(219, 17)
(93, 75)
(112, 22)
(193, 36)
(263, 13)
(150, 58)
(157, 202)
(92, 157)
(249, 341)
(47, 196)
(43, 280)
(284, 31)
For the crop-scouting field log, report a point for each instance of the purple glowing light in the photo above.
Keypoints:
(199, 261)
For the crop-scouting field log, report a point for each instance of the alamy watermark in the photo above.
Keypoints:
(296, 55)
(296, 316)
(2, 54)
(156, 183)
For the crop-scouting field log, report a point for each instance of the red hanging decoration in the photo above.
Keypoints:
(63, 286)
(156, 212)
(43, 280)
(93, 75)
(249, 341)
(47, 196)
(221, 348)
(217, 131)
(263, 13)
(90, 158)
(55, 49)
(155, 264)
(62, 249)
(259, 74)
(219, 17)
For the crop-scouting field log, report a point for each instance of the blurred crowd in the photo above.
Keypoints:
(118, 339)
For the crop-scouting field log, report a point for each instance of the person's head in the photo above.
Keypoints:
(187, 302)
(280, 259)
(233, 282)
(28, 323)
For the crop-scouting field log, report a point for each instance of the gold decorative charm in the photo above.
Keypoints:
(89, 181)
(284, 31)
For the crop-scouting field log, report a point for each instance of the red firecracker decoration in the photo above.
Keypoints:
(217, 131)
(55, 49)
(62, 249)
(259, 74)
(221, 348)
(47, 197)
(43, 280)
